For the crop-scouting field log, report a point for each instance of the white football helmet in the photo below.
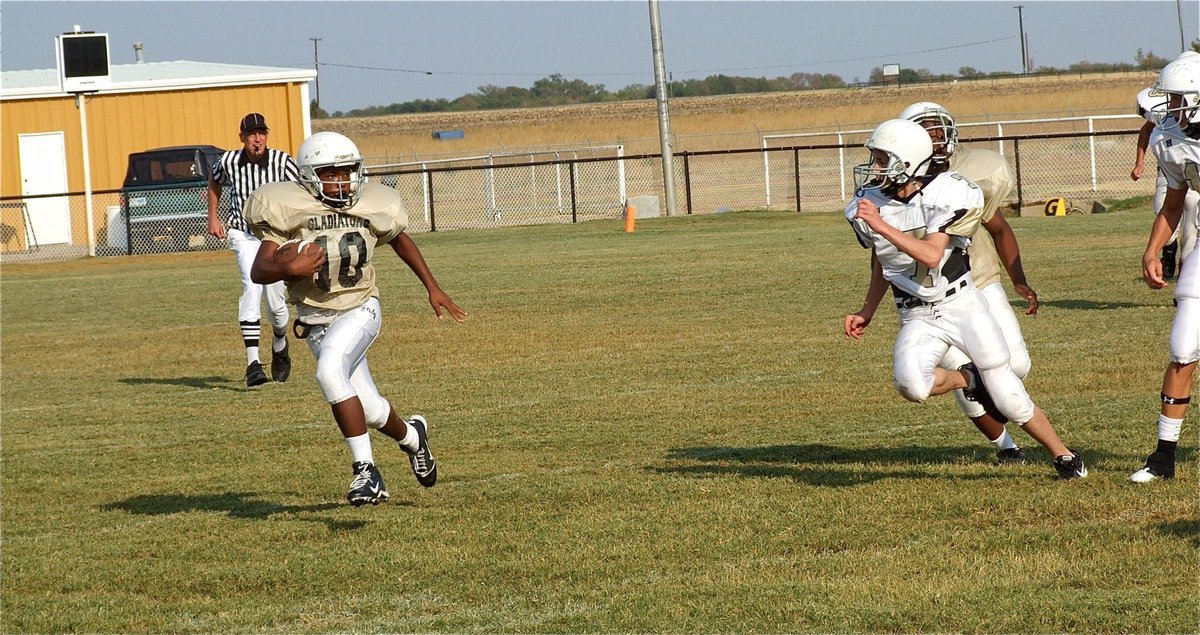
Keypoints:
(909, 152)
(327, 150)
(1180, 78)
(933, 117)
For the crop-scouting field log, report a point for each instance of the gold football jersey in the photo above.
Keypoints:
(285, 211)
(990, 171)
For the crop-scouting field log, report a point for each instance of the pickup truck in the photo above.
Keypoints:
(164, 199)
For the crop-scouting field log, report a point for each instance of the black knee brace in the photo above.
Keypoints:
(1175, 401)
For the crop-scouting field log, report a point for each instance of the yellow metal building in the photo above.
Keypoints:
(149, 105)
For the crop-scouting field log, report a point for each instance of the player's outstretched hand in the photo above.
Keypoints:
(439, 300)
(855, 325)
(1027, 292)
(1152, 271)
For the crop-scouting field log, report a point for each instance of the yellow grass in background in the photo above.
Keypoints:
(737, 121)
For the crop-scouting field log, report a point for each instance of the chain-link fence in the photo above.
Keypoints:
(57, 227)
(1081, 166)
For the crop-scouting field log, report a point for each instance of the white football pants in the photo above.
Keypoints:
(1001, 310)
(245, 247)
(1186, 231)
(1185, 330)
(340, 349)
(963, 321)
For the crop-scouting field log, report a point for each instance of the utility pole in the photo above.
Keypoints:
(664, 121)
(317, 67)
(1179, 15)
(1021, 27)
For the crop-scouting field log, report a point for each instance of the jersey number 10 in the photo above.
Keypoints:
(351, 256)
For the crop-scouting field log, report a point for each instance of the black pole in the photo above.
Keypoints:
(687, 181)
(1179, 14)
(316, 66)
(571, 174)
(1021, 28)
(128, 229)
(432, 216)
(1017, 160)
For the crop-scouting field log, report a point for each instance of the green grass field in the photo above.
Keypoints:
(663, 431)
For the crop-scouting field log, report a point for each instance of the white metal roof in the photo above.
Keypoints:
(151, 76)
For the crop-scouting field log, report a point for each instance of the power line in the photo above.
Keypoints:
(391, 70)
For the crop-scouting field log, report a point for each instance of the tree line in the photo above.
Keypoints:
(557, 90)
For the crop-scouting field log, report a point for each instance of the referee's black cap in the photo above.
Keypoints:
(254, 121)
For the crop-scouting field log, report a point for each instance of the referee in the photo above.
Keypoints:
(244, 170)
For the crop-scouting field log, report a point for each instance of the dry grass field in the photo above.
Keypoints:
(657, 432)
(736, 121)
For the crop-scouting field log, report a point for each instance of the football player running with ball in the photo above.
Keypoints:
(917, 227)
(993, 245)
(1175, 143)
(319, 235)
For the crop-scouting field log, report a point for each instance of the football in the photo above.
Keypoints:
(293, 248)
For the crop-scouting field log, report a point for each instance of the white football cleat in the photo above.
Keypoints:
(1147, 475)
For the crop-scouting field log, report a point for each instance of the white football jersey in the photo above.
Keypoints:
(947, 204)
(285, 211)
(1177, 154)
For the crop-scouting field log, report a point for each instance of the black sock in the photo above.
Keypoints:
(1166, 450)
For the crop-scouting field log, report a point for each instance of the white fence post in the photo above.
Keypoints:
(841, 165)
(766, 171)
(621, 191)
(426, 192)
(558, 180)
(489, 190)
(1092, 146)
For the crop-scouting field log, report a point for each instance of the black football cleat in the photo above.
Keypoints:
(281, 364)
(255, 376)
(1070, 467)
(1159, 467)
(1011, 456)
(424, 466)
(367, 486)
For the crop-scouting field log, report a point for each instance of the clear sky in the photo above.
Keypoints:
(465, 45)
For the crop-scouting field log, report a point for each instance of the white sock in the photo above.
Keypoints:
(1168, 428)
(1004, 441)
(251, 354)
(280, 341)
(411, 441)
(360, 448)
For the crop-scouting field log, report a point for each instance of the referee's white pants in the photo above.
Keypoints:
(1001, 310)
(340, 349)
(965, 322)
(245, 247)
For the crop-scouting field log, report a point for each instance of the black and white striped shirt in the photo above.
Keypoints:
(244, 176)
